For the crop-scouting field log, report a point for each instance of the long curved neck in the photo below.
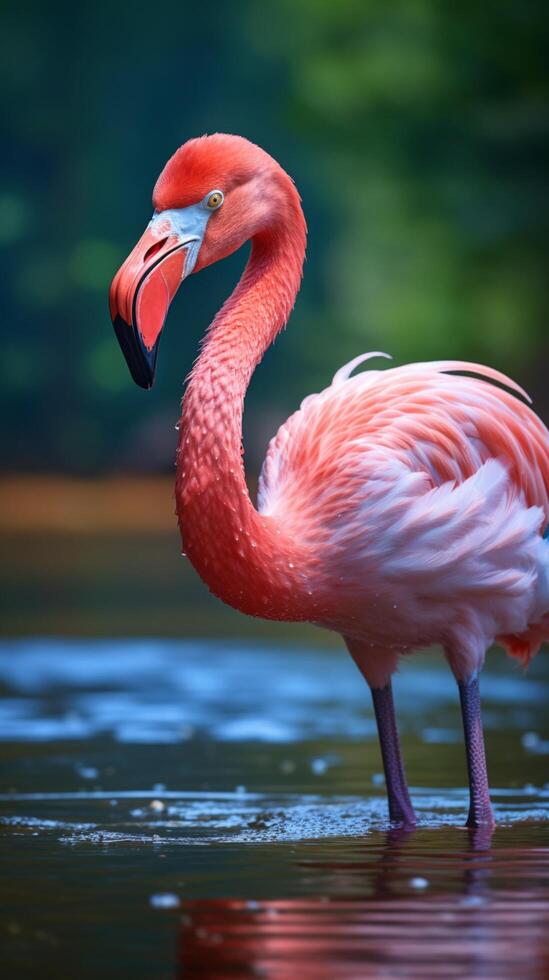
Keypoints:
(244, 557)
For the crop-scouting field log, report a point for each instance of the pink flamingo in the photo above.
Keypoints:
(400, 508)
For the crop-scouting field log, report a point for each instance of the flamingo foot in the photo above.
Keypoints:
(480, 807)
(401, 811)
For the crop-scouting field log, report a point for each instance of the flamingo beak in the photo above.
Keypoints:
(143, 288)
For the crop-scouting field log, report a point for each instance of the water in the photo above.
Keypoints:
(216, 809)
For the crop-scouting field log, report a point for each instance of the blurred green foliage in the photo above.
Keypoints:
(417, 132)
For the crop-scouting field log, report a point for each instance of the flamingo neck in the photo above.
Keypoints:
(244, 557)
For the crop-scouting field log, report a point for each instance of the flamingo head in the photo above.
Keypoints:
(215, 193)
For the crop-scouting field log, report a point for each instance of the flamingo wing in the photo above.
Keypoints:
(430, 486)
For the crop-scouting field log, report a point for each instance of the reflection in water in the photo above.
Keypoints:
(309, 938)
(399, 866)
(469, 932)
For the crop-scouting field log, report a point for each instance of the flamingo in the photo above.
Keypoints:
(399, 508)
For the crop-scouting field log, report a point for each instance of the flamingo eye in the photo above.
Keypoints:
(214, 200)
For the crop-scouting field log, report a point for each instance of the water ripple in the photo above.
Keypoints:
(162, 692)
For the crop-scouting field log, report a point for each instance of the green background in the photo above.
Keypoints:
(417, 133)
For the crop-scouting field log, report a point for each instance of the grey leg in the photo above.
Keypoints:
(480, 808)
(401, 810)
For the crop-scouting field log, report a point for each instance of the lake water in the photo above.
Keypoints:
(216, 809)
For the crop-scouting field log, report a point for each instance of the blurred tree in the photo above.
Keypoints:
(431, 126)
(418, 134)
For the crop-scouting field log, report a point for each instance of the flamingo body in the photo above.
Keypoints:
(400, 508)
(424, 495)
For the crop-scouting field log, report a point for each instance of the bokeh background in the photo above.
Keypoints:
(418, 135)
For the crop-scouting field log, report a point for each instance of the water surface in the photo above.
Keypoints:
(211, 809)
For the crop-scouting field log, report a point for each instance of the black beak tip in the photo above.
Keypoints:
(140, 360)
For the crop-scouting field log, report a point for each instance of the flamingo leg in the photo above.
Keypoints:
(401, 811)
(480, 808)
